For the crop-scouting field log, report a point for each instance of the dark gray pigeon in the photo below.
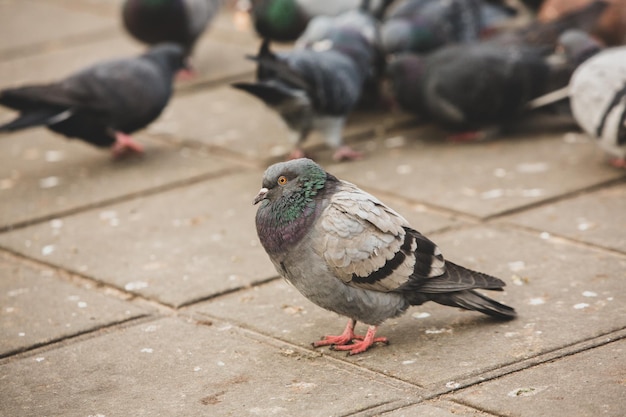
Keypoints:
(101, 104)
(315, 87)
(485, 84)
(349, 253)
(598, 99)
(178, 21)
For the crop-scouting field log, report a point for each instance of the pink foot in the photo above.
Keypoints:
(618, 162)
(186, 74)
(125, 145)
(346, 153)
(343, 341)
(296, 154)
(364, 343)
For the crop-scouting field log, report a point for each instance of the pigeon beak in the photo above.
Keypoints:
(261, 195)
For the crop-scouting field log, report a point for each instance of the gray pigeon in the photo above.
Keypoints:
(317, 86)
(484, 84)
(101, 104)
(597, 93)
(349, 253)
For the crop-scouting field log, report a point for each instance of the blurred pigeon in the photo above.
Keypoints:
(485, 83)
(598, 101)
(322, 28)
(178, 21)
(101, 104)
(349, 253)
(286, 20)
(610, 28)
(316, 87)
(424, 25)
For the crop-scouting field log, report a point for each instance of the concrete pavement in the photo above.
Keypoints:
(139, 287)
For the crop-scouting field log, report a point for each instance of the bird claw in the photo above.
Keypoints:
(346, 153)
(125, 145)
(360, 346)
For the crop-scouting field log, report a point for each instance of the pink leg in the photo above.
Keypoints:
(364, 343)
(297, 153)
(186, 74)
(343, 341)
(346, 153)
(469, 136)
(618, 162)
(124, 144)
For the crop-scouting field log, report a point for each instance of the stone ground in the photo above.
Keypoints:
(138, 287)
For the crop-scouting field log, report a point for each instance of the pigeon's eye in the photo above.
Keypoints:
(282, 180)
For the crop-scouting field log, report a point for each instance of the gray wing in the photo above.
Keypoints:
(368, 245)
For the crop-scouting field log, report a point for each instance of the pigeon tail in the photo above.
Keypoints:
(472, 300)
(31, 119)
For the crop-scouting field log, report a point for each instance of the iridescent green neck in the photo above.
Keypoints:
(296, 204)
(282, 13)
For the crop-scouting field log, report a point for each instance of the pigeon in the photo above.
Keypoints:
(316, 87)
(286, 20)
(178, 21)
(597, 94)
(349, 253)
(484, 84)
(321, 28)
(424, 25)
(101, 104)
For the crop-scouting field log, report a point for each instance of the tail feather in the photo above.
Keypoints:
(472, 300)
(30, 119)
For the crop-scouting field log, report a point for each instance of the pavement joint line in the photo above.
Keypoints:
(556, 237)
(557, 198)
(147, 192)
(475, 407)
(536, 360)
(38, 348)
(383, 407)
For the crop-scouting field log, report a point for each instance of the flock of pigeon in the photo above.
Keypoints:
(460, 63)
(468, 65)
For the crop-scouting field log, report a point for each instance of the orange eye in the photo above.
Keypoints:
(282, 180)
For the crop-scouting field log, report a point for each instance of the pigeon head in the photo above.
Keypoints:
(403, 36)
(169, 56)
(281, 20)
(289, 201)
(577, 46)
(293, 184)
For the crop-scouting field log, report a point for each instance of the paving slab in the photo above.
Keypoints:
(24, 23)
(42, 173)
(481, 179)
(592, 218)
(176, 247)
(169, 367)
(227, 118)
(39, 306)
(436, 346)
(590, 383)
